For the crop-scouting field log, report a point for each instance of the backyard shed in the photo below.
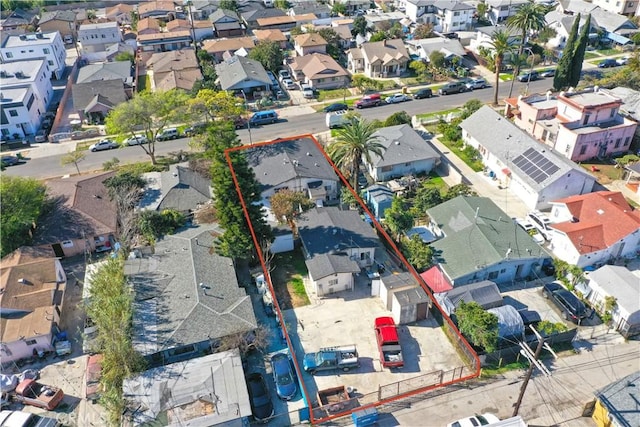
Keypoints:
(390, 283)
(410, 305)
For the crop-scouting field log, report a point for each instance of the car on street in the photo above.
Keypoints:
(570, 305)
(288, 84)
(167, 134)
(307, 91)
(475, 421)
(136, 140)
(9, 161)
(623, 61)
(103, 144)
(529, 77)
(607, 63)
(371, 100)
(548, 73)
(396, 98)
(423, 93)
(259, 398)
(338, 106)
(283, 376)
(477, 83)
(452, 87)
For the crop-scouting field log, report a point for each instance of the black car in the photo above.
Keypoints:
(423, 93)
(529, 77)
(335, 107)
(259, 398)
(608, 63)
(9, 161)
(572, 308)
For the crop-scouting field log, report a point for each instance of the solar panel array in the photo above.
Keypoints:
(535, 165)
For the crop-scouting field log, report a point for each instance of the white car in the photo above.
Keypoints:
(136, 140)
(307, 91)
(104, 144)
(288, 84)
(622, 61)
(541, 222)
(478, 83)
(475, 421)
(396, 97)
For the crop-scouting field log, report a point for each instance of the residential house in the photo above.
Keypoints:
(444, 15)
(450, 48)
(481, 242)
(321, 11)
(378, 198)
(381, 20)
(405, 153)
(616, 281)
(166, 41)
(148, 26)
(120, 13)
(352, 6)
(419, 11)
(202, 30)
(32, 299)
(308, 43)
(26, 93)
(18, 18)
(336, 245)
(385, 58)
(251, 17)
(94, 100)
(63, 21)
(35, 46)
(617, 403)
(624, 7)
(499, 10)
(108, 71)
(484, 37)
(190, 385)
(296, 164)
(536, 174)
(201, 9)
(630, 109)
(344, 35)
(243, 75)
(164, 10)
(83, 217)
(96, 37)
(227, 23)
(186, 298)
(219, 48)
(271, 36)
(284, 23)
(176, 69)
(180, 188)
(179, 25)
(580, 125)
(319, 71)
(594, 228)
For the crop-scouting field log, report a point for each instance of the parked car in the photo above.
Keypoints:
(338, 106)
(608, 63)
(259, 398)
(307, 91)
(423, 93)
(9, 161)
(541, 222)
(195, 129)
(263, 118)
(529, 77)
(68, 39)
(283, 376)
(136, 140)
(284, 74)
(288, 84)
(167, 134)
(396, 98)
(42, 135)
(478, 83)
(623, 61)
(475, 421)
(571, 307)
(103, 144)
(548, 73)
(452, 87)
(372, 100)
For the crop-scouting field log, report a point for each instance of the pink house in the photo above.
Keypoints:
(580, 125)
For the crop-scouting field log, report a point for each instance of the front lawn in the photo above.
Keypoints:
(591, 55)
(608, 52)
(288, 276)
(506, 77)
(333, 94)
(466, 153)
(604, 172)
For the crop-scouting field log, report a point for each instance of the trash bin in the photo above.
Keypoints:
(365, 417)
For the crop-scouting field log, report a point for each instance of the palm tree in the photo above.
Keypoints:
(353, 143)
(501, 45)
(529, 17)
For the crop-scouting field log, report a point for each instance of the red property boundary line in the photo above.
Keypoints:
(390, 241)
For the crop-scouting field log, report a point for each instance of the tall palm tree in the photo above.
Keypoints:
(529, 17)
(501, 44)
(355, 142)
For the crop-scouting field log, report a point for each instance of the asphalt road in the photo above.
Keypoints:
(47, 167)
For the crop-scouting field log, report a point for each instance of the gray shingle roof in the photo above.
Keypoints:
(621, 400)
(402, 144)
(84, 93)
(453, 5)
(183, 189)
(62, 15)
(106, 71)
(280, 162)
(485, 293)
(471, 242)
(506, 142)
(438, 44)
(238, 69)
(172, 307)
(223, 13)
(324, 265)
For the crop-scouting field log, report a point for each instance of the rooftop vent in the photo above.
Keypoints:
(23, 37)
(39, 35)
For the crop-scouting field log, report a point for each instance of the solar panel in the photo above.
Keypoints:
(535, 165)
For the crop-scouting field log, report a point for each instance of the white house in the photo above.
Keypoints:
(484, 37)
(500, 10)
(386, 58)
(24, 96)
(445, 15)
(96, 37)
(619, 7)
(532, 171)
(405, 153)
(35, 46)
(594, 228)
(450, 48)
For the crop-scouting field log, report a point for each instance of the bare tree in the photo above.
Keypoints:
(73, 157)
(258, 339)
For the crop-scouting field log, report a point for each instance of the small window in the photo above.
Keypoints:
(31, 342)
(626, 141)
(50, 63)
(46, 51)
(618, 141)
(586, 119)
(583, 149)
(13, 113)
(9, 55)
(333, 282)
(613, 113)
(493, 275)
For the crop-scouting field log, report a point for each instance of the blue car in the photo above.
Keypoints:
(283, 376)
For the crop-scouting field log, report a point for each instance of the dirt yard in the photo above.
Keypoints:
(605, 173)
(287, 279)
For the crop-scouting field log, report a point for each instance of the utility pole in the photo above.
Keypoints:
(532, 363)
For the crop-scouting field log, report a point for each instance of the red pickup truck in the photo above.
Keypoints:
(388, 342)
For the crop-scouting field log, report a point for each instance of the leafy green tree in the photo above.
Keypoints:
(501, 44)
(212, 104)
(398, 118)
(578, 53)
(378, 36)
(150, 112)
(333, 42)
(470, 107)
(627, 76)
(482, 8)
(421, 69)
(125, 56)
(459, 190)
(154, 224)
(288, 204)
(347, 198)
(135, 18)
(565, 65)
(269, 54)
(23, 201)
(436, 59)
(296, 31)
(398, 218)
(339, 8)
(529, 17)
(426, 197)
(363, 83)
(282, 4)
(636, 39)
(229, 5)
(395, 32)
(354, 142)
(480, 326)
(423, 31)
(547, 328)
(418, 253)
(359, 26)
(73, 158)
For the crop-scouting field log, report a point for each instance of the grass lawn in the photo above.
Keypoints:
(506, 77)
(288, 279)
(333, 94)
(434, 116)
(591, 55)
(467, 156)
(412, 81)
(435, 181)
(605, 173)
(607, 52)
(144, 83)
(491, 371)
